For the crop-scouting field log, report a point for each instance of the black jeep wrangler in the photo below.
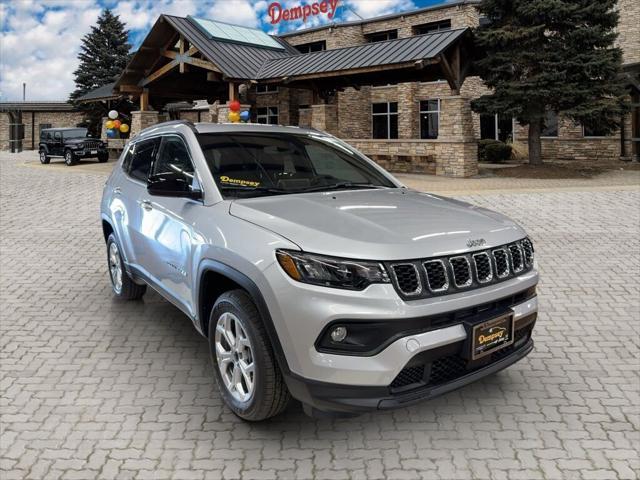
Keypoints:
(71, 144)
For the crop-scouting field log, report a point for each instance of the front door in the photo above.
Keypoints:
(56, 144)
(168, 225)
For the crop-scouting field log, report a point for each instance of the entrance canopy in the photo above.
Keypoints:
(188, 58)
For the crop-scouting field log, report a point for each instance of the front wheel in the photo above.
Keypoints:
(246, 371)
(44, 158)
(103, 157)
(121, 283)
(70, 158)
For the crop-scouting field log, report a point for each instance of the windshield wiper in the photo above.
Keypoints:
(245, 189)
(336, 186)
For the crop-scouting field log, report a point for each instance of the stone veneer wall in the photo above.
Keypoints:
(141, 120)
(629, 30)
(55, 119)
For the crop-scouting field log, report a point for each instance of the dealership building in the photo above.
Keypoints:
(397, 87)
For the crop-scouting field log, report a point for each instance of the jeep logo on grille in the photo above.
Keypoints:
(476, 242)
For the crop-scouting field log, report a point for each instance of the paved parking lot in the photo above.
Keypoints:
(95, 388)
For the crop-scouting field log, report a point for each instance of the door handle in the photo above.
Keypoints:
(117, 191)
(146, 204)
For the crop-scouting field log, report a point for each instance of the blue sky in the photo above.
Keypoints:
(40, 40)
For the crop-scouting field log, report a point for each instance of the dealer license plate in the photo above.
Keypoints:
(491, 336)
(93, 152)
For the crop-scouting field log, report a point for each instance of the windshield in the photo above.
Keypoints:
(74, 133)
(254, 164)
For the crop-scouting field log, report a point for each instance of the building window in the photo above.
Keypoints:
(496, 127)
(593, 131)
(429, 118)
(550, 127)
(267, 115)
(311, 47)
(382, 36)
(266, 88)
(432, 27)
(384, 120)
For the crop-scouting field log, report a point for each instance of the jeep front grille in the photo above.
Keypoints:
(407, 278)
(91, 145)
(439, 276)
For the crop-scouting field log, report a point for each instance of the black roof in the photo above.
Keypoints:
(61, 128)
(42, 106)
(101, 93)
(390, 52)
(236, 60)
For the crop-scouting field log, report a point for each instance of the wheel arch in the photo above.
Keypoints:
(214, 279)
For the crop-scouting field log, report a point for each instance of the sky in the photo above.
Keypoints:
(40, 39)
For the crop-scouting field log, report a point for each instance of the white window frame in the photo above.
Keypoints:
(428, 111)
(388, 113)
(266, 116)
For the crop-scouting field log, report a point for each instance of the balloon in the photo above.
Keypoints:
(108, 124)
(111, 133)
(234, 106)
(113, 114)
(234, 117)
(116, 124)
(245, 116)
(124, 128)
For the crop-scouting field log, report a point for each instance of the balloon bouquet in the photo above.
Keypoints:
(115, 126)
(235, 115)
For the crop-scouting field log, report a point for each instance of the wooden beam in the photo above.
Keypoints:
(158, 73)
(197, 62)
(181, 48)
(130, 89)
(449, 75)
(144, 100)
(233, 91)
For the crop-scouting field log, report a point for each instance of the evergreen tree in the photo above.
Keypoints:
(550, 55)
(104, 53)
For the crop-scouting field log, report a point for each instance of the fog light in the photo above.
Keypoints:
(338, 334)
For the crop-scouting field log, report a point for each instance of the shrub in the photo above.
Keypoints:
(493, 151)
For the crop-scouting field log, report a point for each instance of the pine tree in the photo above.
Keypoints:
(550, 55)
(104, 54)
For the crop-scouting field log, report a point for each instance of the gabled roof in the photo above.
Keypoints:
(101, 93)
(387, 53)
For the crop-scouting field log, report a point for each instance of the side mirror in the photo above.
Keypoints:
(170, 185)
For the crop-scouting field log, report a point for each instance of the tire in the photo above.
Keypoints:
(121, 283)
(269, 395)
(44, 158)
(103, 158)
(70, 158)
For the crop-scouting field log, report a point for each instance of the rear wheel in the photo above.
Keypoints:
(70, 158)
(245, 368)
(121, 283)
(44, 158)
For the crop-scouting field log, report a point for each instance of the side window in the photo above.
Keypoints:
(173, 159)
(57, 136)
(126, 162)
(142, 158)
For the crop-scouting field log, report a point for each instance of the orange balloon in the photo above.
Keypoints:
(117, 123)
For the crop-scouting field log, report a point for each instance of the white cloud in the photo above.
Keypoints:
(239, 12)
(355, 9)
(39, 47)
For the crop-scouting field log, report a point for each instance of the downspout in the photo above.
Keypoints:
(623, 150)
(33, 127)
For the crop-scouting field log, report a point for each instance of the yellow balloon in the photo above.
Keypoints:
(124, 128)
(234, 117)
(108, 124)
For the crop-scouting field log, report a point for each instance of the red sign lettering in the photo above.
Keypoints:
(301, 12)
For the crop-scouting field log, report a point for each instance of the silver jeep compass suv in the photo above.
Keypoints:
(313, 273)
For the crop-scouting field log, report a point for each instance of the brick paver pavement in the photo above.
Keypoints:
(95, 388)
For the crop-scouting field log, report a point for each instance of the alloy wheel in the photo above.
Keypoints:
(43, 157)
(115, 268)
(234, 356)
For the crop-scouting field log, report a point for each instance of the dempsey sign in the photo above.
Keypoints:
(301, 12)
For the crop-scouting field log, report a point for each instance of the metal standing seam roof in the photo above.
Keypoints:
(390, 52)
(104, 92)
(234, 60)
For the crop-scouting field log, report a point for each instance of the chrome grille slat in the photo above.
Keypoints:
(436, 273)
(527, 250)
(461, 271)
(407, 278)
(482, 265)
(502, 262)
(517, 261)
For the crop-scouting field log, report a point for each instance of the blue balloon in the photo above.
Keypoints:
(111, 133)
(244, 116)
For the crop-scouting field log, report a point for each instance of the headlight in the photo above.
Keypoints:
(331, 271)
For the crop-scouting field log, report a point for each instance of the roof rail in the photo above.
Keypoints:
(187, 123)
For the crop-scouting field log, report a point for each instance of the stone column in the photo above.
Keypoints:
(103, 129)
(141, 120)
(407, 111)
(325, 117)
(459, 150)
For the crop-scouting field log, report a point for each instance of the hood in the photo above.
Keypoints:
(386, 224)
(76, 141)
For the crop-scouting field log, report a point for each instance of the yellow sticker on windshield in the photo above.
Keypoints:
(237, 181)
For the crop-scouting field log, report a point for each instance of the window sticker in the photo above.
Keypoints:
(236, 181)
